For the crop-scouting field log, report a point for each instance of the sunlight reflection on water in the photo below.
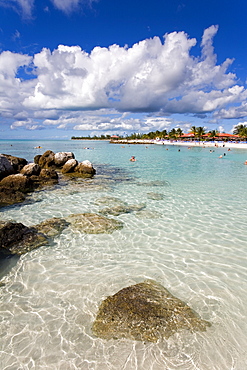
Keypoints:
(195, 247)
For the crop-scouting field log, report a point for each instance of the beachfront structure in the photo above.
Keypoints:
(218, 137)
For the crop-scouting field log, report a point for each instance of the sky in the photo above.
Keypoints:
(92, 67)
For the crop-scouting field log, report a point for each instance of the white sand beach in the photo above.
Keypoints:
(216, 144)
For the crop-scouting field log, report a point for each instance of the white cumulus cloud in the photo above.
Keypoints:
(155, 76)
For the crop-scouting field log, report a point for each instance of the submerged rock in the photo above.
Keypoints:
(155, 196)
(120, 209)
(16, 238)
(52, 226)
(145, 213)
(115, 211)
(154, 183)
(92, 223)
(145, 312)
(110, 201)
(10, 196)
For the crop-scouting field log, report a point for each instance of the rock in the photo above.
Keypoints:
(17, 162)
(69, 166)
(52, 227)
(37, 158)
(46, 177)
(136, 207)
(115, 211)
(92, 223)
(46, 160)
(154, 183)
(145, 312)
(17, 182)
(16, 238)
(62, 157)
(31, 169)
(110, 201)
(148, 214)
(85, 168)
(10, 196)
(155, 196)
(6, 167)
(119, 209)
(48, 174)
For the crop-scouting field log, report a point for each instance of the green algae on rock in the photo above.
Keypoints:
(92, 223)
(145, 312)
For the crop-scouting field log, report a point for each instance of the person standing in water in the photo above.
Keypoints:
(133, 159)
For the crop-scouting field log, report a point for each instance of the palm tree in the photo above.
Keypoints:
(193, 130)
(173, 134)
(240, 130)
(200, 132)
(213, 133)
(179, 132)
(163, 133)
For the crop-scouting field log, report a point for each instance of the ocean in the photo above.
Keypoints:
(190, 238)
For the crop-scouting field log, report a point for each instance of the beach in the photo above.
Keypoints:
(206, 144)
(185, 228)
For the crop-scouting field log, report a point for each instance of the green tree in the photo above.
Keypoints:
(241, 130)
(200, 132)
(173, 134)
(179, 132)
(213, 133)
(193, 130)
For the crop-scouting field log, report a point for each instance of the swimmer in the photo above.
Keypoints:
(245, 162)
(132, 159)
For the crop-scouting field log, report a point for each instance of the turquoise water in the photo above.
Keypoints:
(193, 242)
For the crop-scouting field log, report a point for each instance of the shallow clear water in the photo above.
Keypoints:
(193, 242)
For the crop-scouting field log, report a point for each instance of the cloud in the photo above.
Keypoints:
(22, 7)
(149, 76)
(12, 89)
(68, 6)
(25, 7)
(154, 76)
(108, 121)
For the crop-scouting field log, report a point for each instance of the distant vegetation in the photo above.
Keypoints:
(174, 134)
(101, 137)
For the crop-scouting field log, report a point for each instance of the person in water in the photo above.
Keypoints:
(132, 159)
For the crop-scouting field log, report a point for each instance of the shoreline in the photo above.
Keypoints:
(203, 144)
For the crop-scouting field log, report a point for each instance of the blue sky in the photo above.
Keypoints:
(86, 67)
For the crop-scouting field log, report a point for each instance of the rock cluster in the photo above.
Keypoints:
(18, 177)
(66, 162)
(17, 239)
(145, 312)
